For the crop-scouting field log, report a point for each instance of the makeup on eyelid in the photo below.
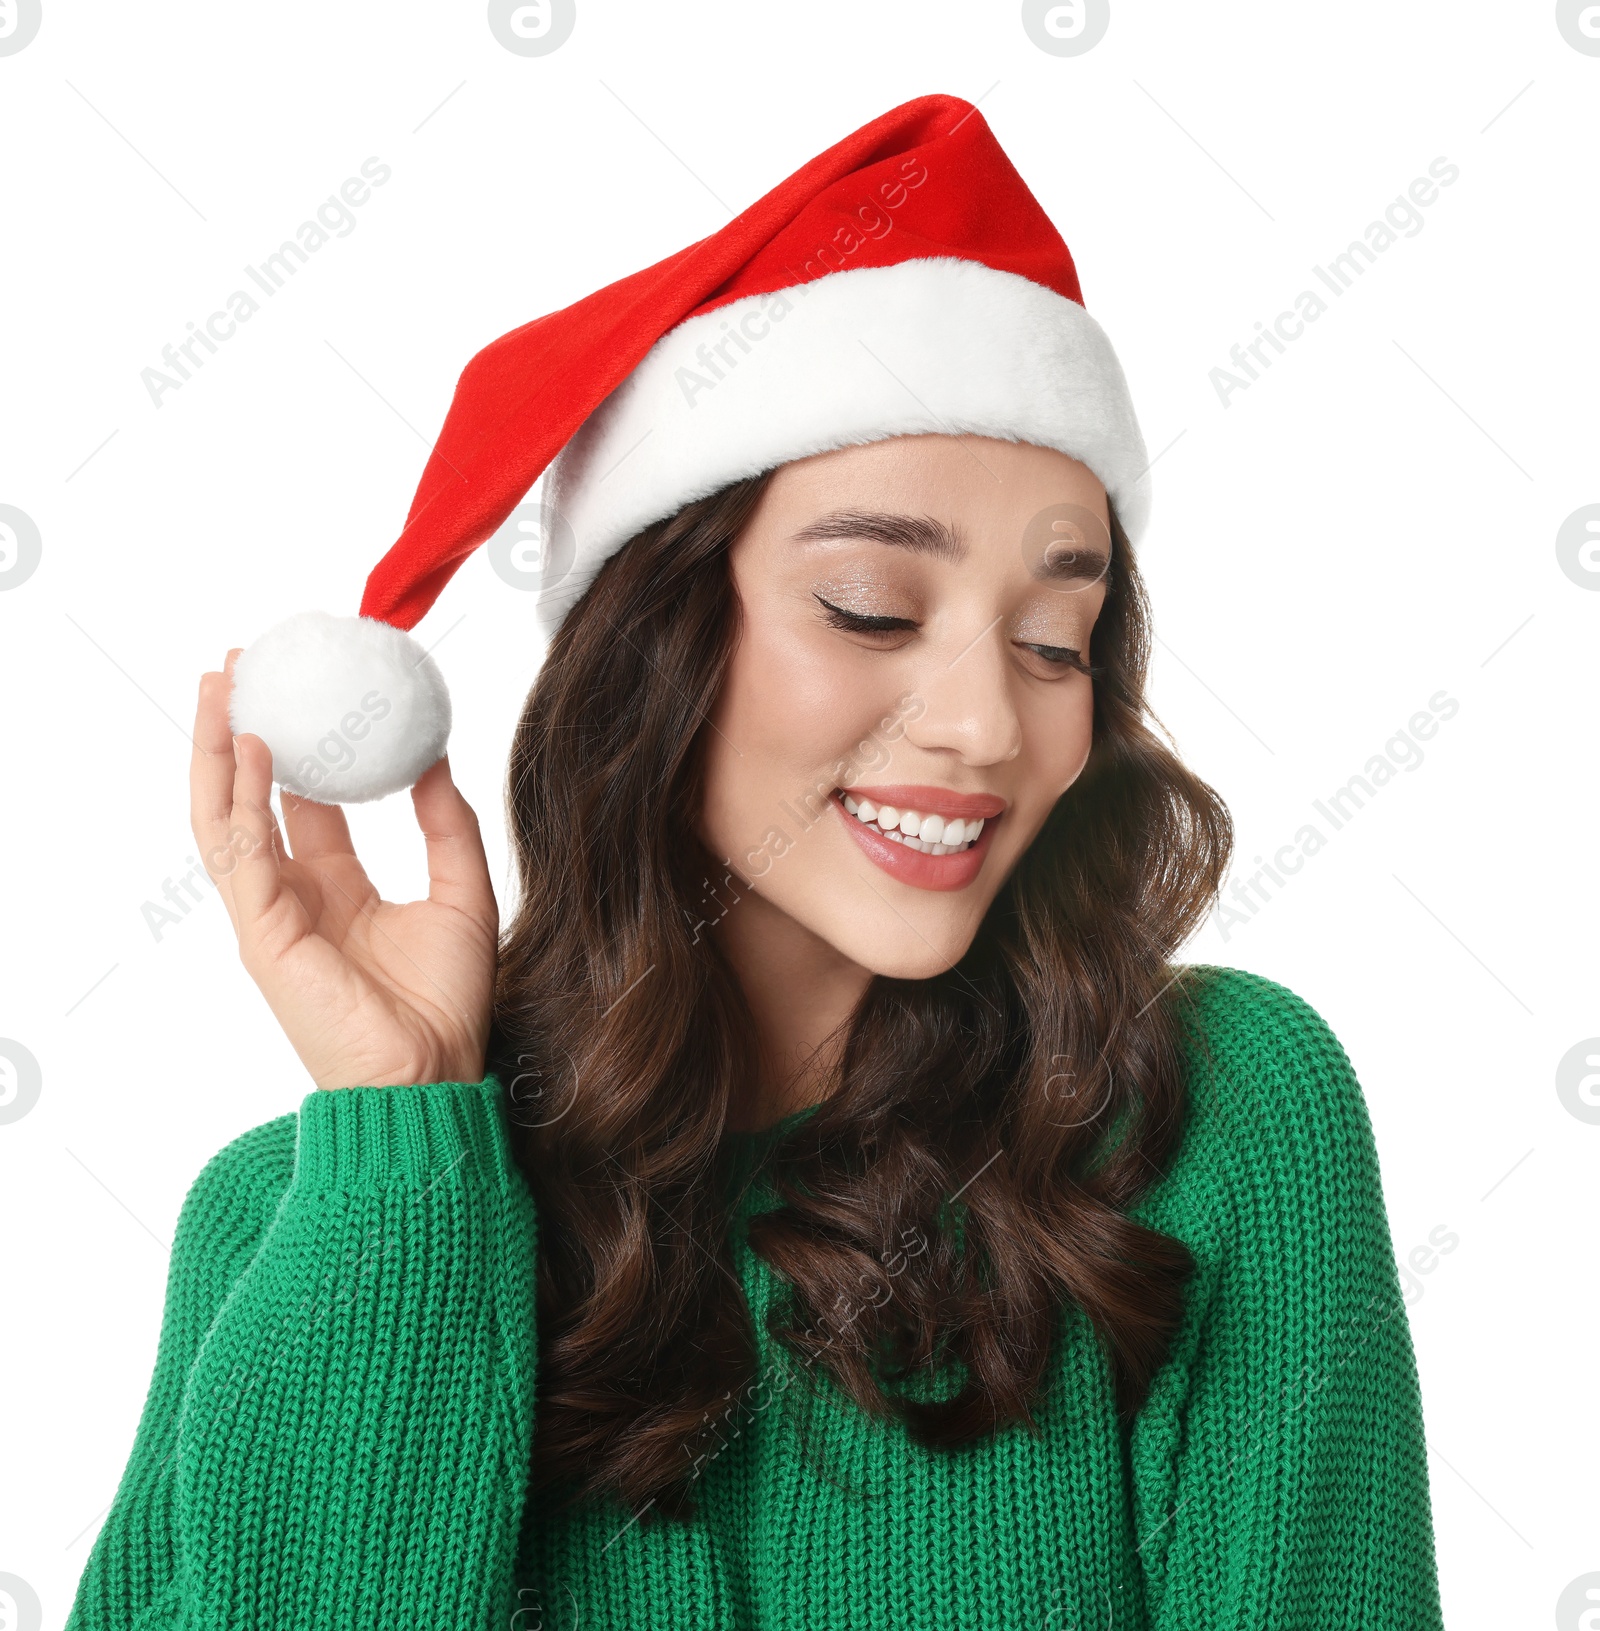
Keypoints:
(867, 588)
(1050, 631)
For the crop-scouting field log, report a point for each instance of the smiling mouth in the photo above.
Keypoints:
(928, 834)
(912, 842)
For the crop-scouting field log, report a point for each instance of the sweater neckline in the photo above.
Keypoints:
(759, 1137)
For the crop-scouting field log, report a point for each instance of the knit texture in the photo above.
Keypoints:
(339, 1427)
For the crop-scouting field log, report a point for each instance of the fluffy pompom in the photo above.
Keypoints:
(353, 709)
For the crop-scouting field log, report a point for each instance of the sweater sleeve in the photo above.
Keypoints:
(339, 1425)
(1279, 1465)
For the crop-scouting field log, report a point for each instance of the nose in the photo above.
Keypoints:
(969, 706)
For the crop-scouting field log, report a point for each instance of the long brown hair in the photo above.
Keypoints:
(1041, 1080)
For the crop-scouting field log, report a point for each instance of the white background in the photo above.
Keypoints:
(1371, 522)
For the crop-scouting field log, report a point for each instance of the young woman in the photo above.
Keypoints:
(826, 1203)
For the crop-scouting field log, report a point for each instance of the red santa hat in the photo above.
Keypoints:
(903, 282)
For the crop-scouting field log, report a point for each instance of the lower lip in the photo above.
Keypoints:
(916, 867)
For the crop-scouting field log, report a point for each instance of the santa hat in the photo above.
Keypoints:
(903, 282)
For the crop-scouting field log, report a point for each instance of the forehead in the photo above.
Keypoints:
(942, 497)
(980, 477)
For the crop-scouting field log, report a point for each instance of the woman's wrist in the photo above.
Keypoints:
(468, 1075)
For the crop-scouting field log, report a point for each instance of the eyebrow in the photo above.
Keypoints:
(919, 533)
(925, 536)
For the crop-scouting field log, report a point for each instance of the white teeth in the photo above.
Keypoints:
(929, 835)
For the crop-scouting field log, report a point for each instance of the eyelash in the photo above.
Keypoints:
(859, 623)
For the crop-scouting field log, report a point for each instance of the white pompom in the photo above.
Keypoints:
(353, 709)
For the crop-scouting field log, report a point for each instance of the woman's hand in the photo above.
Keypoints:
(369, 993)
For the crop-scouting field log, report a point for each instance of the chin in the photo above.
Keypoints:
(914, 967)
(904, 954)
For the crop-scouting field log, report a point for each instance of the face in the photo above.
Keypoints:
(908, 696)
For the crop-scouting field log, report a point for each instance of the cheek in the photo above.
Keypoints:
(1078, 737)
(1057, 735)
(787, 715)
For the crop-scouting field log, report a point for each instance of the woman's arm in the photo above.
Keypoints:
(339, 1426)
(225, 1214)
(1280, 1464)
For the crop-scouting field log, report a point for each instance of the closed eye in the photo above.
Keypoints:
(1063, 658)
(860, 622)
(1066, 657)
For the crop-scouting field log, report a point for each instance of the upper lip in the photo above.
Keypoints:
(932, 801)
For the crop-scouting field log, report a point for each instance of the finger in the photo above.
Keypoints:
(253, 825)
(315, 830)
(211, 775)
(211, 765)
(458, 870)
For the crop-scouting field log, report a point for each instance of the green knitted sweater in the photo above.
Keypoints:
(339, 1427)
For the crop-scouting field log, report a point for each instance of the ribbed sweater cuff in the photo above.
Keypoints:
(355, 1137)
